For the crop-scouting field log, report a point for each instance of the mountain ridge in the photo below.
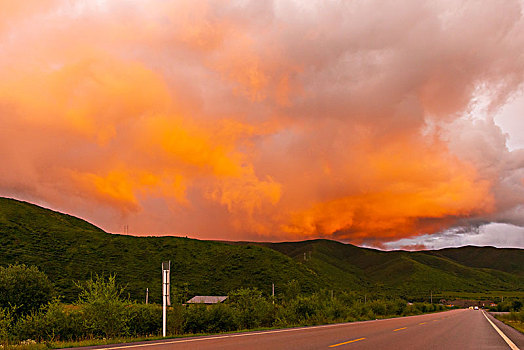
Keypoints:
(70, 249)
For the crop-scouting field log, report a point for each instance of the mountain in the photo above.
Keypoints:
(404, 272)
(69, 249)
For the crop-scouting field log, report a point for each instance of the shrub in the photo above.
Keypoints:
(196, 318)
(51, 323)
(378, 307)
(175, 319)
(104, 311)
(252, 309)
(221, 318)
(291, 290)
(25, 287)
(303, 308)
(6, 325)
(144, 319)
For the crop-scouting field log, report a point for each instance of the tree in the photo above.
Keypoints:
(25, 288)
(291, 290)
(104, 309)
(253, 309)
(6, 323)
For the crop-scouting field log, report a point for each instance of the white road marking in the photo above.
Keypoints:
(506, 339)
(225, 336)
(181, 340)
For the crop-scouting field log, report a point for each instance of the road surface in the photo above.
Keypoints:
(456, 329)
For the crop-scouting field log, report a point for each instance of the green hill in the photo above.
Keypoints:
(69, 249)
(507, 260)
(402, 272)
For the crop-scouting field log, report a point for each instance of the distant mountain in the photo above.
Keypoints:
(509, 260)
(69, 249)
(410, 272)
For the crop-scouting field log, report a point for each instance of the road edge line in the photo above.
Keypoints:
(504, 336)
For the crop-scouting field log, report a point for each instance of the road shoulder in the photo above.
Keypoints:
(515, 336)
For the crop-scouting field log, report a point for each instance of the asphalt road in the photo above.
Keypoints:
(456, 329)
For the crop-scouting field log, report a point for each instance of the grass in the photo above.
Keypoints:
(519, 326)
(513, 319)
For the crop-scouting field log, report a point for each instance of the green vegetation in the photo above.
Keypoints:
(411, 275)
(514, 319)
(25, 287)
(44, 254)
(496, 295)
(69, 249)
(101, 312)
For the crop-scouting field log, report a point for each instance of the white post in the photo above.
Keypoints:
(147, 296)
(273, 292)
(164, 301)
(166, 266)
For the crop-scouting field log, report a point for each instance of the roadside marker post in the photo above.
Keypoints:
(166, 298)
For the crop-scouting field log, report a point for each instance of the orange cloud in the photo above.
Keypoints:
(261, 120)
(406, 189)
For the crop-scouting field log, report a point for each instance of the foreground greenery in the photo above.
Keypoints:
(103, 312)
(513, 319)
(69, 249)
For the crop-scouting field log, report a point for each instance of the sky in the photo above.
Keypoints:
(395, 125)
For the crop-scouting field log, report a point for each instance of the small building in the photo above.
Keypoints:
(206, 299)
(486, 303)
(468, 303)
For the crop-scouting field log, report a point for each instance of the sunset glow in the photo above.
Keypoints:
(264, 120)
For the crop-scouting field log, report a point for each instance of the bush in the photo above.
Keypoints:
(6, 325)
(378, 307)
(252, 309)
(144, 319)
(210, 319)
(25, 287)
(196, 318)
(221, 318)
(175, 319)
(51, 323)
(104, 312)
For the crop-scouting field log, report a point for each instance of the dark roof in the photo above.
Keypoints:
(206, 299)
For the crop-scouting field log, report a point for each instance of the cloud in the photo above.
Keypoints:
(260, 120)
(495, 235)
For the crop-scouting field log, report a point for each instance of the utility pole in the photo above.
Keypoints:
(305, 258)
(273, 292)
(147, 296)
(166, 300)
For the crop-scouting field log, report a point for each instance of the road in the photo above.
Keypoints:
(455, 329)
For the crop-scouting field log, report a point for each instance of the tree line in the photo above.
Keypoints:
(29, 310)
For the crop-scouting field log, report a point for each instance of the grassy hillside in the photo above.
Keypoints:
(400, 272)
(507, 260)
(67, 249)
